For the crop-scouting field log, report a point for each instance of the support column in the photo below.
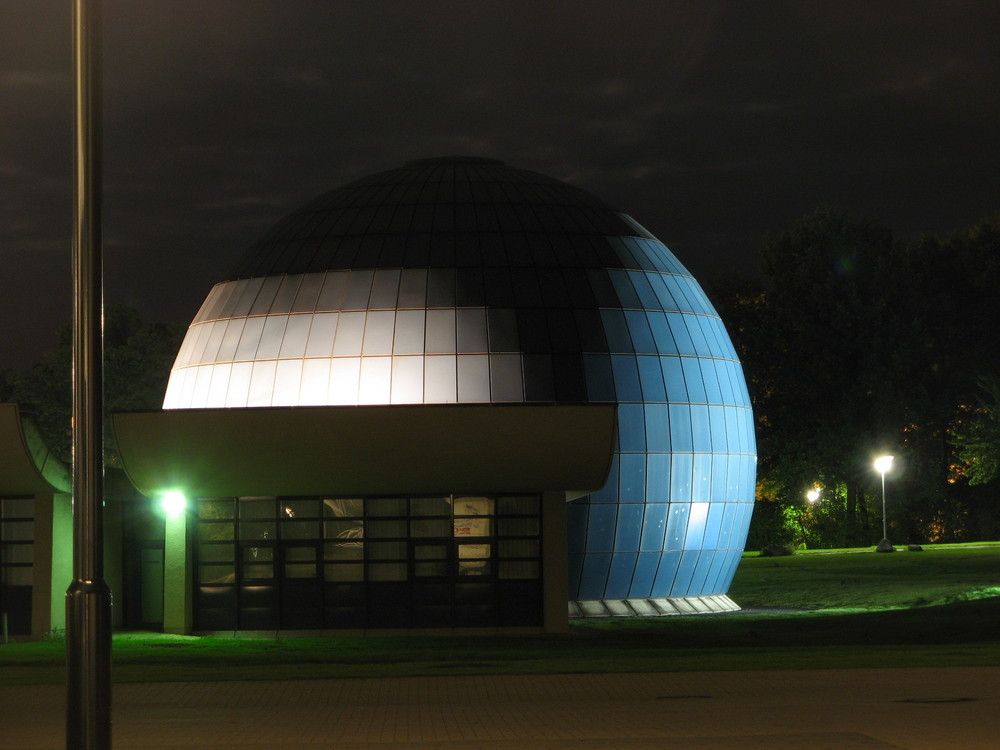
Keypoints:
(555, 563)
(53, 561)
(178, 577)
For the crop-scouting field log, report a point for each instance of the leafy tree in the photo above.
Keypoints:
(978, 437)
(137, 361)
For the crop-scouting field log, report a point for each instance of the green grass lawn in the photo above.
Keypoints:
(940, 607)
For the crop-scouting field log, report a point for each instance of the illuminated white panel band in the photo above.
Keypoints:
(406, 379)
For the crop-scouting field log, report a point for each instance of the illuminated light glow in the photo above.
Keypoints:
(883, 464)
(174, 503)
(812, 495)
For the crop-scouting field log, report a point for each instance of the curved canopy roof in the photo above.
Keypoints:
(372, 450)
(27, 467)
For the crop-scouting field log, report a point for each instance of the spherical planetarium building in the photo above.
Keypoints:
(463, 280)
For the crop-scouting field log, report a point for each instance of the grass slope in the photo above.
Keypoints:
(936, 608)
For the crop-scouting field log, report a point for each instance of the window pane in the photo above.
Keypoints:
(212, 532)
(375, 380)
(300, 570)
(257, 570)
(230, 341)
(331, 297)
(440, 332)
(309, 289)
(345, 377)
(465, 527)
(384, 289)
(350, 334)
(502, 327)
(16, 531)
(474, 567)
(344, 550)
(695, 384)
(352, 528)
(359, 286)
(407, 380)
(387, 571)
(431, 527)
(343, 507)
(300, 529)
(287, 381)
(293, 342)
(430, 569)
(270, 339)
(262, 303)
(386, 529)
(386, 550)
(13, 554)
(250, 554)
(473, 378)
(517, 505)
(315, 387)
(378, 332)
(440, 379)
(345, 572)
(216, 553)
(430, 552)
(409, 334)
(430, 506)
(520, 547)
(473, 506)
(285, 295)
(639, 331)
(265, 508)
(386, 506)
(441, 287)
(216, 509)
(505, 377)
(217, 573)
(413, 288)
(250, 339)
(257, 530)
(518, 569)
(517, 526)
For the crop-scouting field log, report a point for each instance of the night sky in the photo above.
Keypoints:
(711, 123)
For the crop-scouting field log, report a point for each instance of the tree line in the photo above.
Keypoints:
(856, 345)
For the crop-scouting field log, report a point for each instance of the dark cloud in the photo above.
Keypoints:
(711, 122)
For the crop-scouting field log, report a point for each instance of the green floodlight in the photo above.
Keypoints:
(174, 503)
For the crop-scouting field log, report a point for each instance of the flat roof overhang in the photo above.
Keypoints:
(27, 467)
(368, 450)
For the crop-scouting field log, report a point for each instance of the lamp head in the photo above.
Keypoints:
(883, 464)
(173, 503)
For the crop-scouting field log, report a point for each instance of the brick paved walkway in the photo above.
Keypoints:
(919, 709)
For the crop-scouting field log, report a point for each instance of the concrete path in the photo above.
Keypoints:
(918, 709)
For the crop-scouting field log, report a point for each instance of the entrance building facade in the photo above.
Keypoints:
(267, 563)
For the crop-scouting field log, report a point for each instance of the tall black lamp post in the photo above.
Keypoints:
(88, 598)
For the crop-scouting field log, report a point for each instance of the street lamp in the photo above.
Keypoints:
(813, 495)
(882, 465)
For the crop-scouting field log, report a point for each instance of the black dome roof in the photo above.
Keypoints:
(442, 212)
